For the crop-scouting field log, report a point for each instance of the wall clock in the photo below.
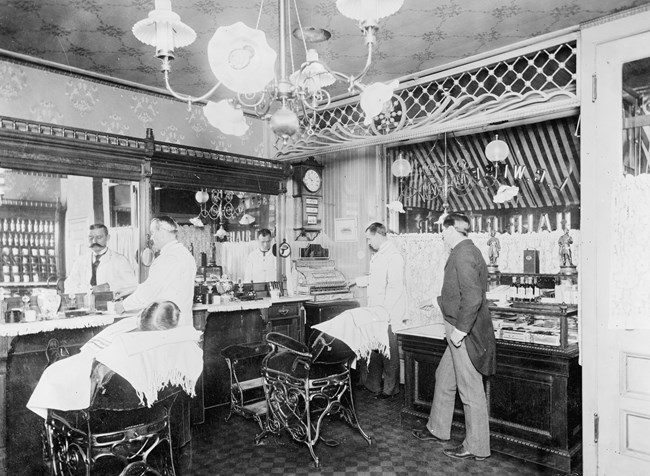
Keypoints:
(307, 178)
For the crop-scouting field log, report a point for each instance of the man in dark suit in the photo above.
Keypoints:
(471, 346)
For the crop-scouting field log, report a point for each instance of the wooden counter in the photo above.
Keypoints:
(23, 357)
(534, 399)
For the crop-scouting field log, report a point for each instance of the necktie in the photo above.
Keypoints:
(93, 277)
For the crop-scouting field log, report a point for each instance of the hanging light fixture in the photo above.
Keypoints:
(219, 205)
(497, 150)
(242, 61)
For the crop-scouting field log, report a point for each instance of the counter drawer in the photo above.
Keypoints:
(280, 310)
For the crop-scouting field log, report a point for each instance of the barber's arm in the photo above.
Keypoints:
(149, 290)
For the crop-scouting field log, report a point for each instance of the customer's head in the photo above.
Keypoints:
(98, 237)
(159, 316)
(264, 238)
(376, 235)
(163, 230)
(455, 228)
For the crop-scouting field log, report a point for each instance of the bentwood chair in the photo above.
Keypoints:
(304, 384)
(117, 434)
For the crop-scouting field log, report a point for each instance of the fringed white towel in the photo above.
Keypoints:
(149, 361)
(363, 329)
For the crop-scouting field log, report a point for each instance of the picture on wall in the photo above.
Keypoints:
(345, 229)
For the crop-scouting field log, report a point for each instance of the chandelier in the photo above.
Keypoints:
(242, 61)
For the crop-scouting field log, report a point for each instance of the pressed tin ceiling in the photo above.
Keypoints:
(95, 35)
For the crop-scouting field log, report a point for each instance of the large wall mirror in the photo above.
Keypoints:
(218, 226)
(45, 220)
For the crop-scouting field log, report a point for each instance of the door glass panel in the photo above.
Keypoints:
(636, 116)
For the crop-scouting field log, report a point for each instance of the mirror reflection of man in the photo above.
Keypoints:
(261, 265)
(100, 268)
(171, 275)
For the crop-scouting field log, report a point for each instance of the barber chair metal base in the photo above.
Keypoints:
(115, 430)
(304, 384)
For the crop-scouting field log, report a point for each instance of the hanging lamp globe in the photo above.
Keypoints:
(497, 150)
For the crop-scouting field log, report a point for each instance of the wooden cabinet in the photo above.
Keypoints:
(317, 312)
(222, 329)
(534, 398)
(22, 361)
(287, 319)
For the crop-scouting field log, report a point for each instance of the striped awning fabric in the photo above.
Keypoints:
(543, 162)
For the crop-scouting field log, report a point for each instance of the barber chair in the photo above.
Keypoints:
(304, 384)
(116, 434)
(246, 387)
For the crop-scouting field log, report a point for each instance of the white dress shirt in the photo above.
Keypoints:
(386, 283)
(260, 267)
(113, 269)
(171, 278)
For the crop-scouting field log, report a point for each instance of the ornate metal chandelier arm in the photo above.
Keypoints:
(187, 97)
(355, 80)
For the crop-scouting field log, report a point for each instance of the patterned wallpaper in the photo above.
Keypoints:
(95, 35)
(36, 94)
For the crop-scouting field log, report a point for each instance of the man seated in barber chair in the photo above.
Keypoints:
(130, 366)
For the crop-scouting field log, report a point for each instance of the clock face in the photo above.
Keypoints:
(311, 180)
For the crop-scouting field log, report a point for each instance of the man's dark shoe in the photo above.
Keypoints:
(460, 452)
(425, 435)
(383, 396)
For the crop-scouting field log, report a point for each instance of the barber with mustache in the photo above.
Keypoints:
(100, 269)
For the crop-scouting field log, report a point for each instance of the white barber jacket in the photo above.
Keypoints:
(113, 269)
(386, 286)
(260, 267)
(171, 278)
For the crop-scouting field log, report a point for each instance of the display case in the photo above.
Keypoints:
(538, 309)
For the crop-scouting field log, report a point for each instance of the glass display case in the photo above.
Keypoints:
(539, 309)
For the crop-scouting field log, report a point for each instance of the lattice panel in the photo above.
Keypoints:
(539, 77)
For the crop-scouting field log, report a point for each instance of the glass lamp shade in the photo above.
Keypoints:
(246, 219)
(368, 10)
(396, 206)
(284, 122)
(505, 193)
(221, 233)
(241, 59)
(313, 76)
(374, 98)
(497, 150)
(401, 167)
(164, 29)
(225, 117)
(201, 196)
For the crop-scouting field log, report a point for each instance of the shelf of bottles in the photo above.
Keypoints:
(28, 251)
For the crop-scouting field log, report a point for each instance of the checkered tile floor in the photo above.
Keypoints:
(220, 448)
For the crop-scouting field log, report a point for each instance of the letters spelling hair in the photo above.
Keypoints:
(459, 221)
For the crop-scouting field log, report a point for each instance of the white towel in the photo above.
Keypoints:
(149, 361)
(363, 329)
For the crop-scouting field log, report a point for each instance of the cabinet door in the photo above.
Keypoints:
(287, 319)
(221, 330)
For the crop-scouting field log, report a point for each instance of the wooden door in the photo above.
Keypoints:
(615, 312)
